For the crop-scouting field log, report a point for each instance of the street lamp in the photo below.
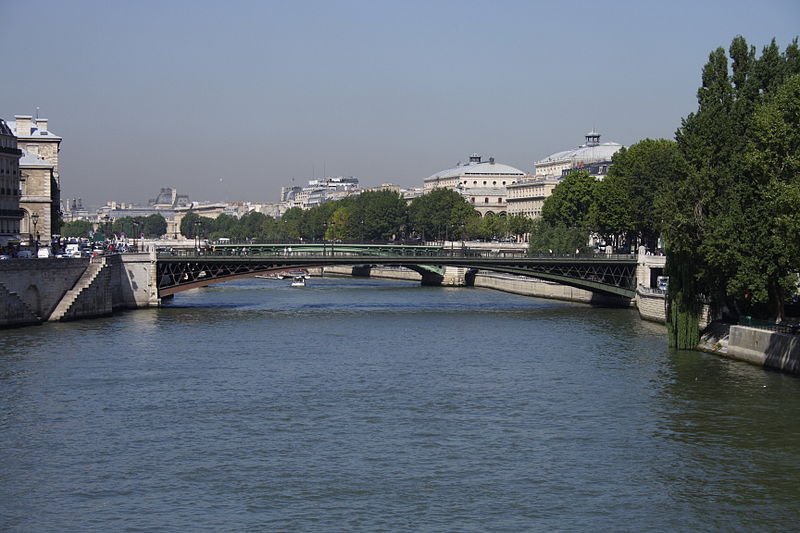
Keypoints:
(35, 220)
(324, 237)
(135, 235)
(333, 238)
(197, 236)
(105, 225)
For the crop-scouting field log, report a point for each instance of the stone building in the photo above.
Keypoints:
(527, 195)
(40, 182)
(10, 213)
(482, 183)
(591, 155)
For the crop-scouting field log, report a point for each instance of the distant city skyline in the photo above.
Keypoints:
(231, 102)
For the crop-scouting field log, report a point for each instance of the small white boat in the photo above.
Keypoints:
(298, 281)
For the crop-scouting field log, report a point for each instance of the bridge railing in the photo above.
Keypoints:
(378, 251)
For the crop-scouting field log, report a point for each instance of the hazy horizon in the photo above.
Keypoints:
(231, 101)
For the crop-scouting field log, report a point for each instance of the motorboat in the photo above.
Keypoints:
(294, 274)
(298, 281)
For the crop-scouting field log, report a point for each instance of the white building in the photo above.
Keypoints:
(483, 184)
(592, 155)
(527, 195)
(319, 191)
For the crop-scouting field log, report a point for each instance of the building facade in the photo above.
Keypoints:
(482, 183)
(40, 181)
(591, 155)
(10, 212)
(527, 196)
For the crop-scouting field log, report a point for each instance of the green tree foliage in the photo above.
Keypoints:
(440, 213)
(716, 216)
(194, 225)
(570, 202)
(626, 201)
(153, 226)
(556, 239)
(379, 216)
(292, 222)
(518, 225)
(77, 228)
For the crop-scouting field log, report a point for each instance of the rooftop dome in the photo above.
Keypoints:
(477, 168)
(592, 150)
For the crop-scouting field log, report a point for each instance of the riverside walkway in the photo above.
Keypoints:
(182, 269)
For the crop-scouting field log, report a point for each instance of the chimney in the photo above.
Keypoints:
(41, 124)
(23, 125)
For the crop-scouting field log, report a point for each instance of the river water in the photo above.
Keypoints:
(358, 405)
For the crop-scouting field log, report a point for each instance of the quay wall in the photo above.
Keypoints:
(36, 284)
(776, 351)
(545, 289)
(33, 291)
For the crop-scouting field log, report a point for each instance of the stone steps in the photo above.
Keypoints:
(17, 311)
(93, 271)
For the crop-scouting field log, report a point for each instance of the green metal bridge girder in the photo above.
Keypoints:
(610, 275)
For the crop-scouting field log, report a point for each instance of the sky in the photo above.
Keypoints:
(229, 101)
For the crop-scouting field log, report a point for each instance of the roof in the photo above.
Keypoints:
(29, 160)
(591, 150)
(486, 168)
(4, 128)
(35, 133)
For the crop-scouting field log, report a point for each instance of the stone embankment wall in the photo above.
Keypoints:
(545, 289)
(33, 291)
(769, 349)
(32, 288)
(652, 305)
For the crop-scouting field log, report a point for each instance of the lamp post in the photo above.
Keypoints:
(35, 220)
(324, 237)
(135, 235)
(333, 238)
(197, 236)
(105, 226)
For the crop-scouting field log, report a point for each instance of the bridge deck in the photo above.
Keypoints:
(598, 273)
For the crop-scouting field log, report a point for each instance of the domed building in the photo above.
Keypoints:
(482, 183)
(593, 156)
(526, 196)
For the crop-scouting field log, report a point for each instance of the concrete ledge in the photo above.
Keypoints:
(545, 289)
(777, 351)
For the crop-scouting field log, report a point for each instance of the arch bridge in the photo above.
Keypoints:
(181, 270)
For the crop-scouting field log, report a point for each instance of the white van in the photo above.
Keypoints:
(44, 253)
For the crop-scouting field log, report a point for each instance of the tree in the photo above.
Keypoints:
(379, 216)
(714, 217)
(440, 213)
(626, 199)
(556, 239)
(153, 226)
(772, 162)
(292, 223)
(77, 228)
(571, 200)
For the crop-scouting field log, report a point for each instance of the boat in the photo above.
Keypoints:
(298, 281)
(294, 274)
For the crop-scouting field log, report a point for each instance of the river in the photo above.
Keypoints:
(362, 405)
